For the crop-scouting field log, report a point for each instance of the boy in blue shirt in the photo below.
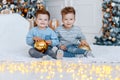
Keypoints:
(42, 32)
(70, 36)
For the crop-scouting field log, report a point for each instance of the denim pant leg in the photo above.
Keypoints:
(68, 54)
(36, 54)
(51, 53)
(75, 50)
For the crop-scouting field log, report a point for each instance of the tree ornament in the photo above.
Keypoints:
(107, 33)
(113, 39)
(105, 25)
(10, 1)
(39, 1)
(30, 13)
(109, 19)
(12, 8)
(4, 1)
(106, 15)
(41, 46)
(109, 37)
(105, 21)
(25, 10)
(108, 10)
(85, 47)
(54, 24)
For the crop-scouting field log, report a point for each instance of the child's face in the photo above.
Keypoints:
(68, 20)
(42, 20)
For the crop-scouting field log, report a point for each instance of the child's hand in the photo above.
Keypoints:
(37, 39)
(49, 42)
(83, 42)
(63, 47)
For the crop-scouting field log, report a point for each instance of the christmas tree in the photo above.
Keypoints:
(26, 8)
(111, 24)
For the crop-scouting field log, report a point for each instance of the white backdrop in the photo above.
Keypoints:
(13, 30)
(88, 14)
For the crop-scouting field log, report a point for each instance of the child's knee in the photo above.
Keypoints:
(31, 51)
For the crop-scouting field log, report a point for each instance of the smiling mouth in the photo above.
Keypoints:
(42, 24)
(68, 24)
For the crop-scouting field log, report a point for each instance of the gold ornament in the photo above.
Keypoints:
(40, 6)
(41, 46)
(25, 10)
(54, 24)
(85, 47)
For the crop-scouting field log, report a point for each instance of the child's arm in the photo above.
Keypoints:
(49, 42)
(36, 39)
(54, 39)
(80, 37)
(29, 38)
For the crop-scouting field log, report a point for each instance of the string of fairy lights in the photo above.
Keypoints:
(50, 70)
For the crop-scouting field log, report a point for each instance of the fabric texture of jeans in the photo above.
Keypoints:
(73, 50)
(36, 54)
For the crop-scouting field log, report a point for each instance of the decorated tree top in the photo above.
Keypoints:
(26, 8)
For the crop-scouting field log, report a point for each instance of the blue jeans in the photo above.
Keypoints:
(36, 54)
(72, 51)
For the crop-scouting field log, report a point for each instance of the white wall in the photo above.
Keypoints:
(13, 31)
(88, 14)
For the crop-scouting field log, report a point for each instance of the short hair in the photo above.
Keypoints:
(67, 10)
(43, 11)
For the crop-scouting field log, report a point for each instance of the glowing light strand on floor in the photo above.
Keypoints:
(48, 70)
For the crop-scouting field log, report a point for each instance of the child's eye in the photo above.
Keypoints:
(46, 19)
(71, 19)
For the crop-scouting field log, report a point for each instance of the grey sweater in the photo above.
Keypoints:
(69, 36)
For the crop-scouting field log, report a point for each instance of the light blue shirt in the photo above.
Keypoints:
(46, 34)
(69, 36)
